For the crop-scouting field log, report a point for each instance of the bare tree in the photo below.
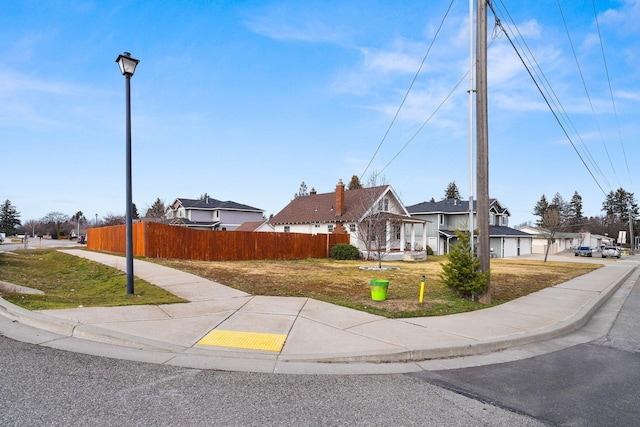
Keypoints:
(56, 223)
(112, 219)
(32, 227)
(377, 217)
(552, 222)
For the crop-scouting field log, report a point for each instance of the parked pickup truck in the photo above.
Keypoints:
(584, 251)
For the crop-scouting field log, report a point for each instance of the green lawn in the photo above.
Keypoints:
(69, 281)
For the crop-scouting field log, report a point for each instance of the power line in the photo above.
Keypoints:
(584, 85)
(555, 115)
(606, 68)
(426, 121)
(415, 77)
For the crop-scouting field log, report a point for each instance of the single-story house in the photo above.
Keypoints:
(563, 241)
(373, 217)
(255, 226)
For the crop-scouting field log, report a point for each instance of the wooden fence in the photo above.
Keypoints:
(153, 240)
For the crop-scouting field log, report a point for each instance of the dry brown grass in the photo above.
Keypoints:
(343, 283)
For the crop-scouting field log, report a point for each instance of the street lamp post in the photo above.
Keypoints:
(127, 68)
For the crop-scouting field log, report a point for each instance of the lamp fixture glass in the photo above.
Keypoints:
(127, 64)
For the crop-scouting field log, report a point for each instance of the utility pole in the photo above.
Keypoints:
(631, 236)
(471, 58)
(482, 135)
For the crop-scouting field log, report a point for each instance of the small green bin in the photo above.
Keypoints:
(379, 289)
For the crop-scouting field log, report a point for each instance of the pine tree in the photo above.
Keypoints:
(9, 218)
(354, 184)
(575, 215)
(303, 191)
(452, 191)
(156, 210)
(562, 207)
(540, 208)
(617, 204)
(462, 272)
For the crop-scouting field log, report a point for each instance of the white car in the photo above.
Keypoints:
(610, 252)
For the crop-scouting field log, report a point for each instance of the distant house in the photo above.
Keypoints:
(255, 226)
(352, 212)
(211, 214)
(563, 241)
(448, 215)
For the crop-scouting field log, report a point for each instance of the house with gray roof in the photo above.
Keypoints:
(446, 216)
(211, 214)
(353, 212)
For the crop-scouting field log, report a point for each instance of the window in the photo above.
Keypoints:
(492, 219)
(396, 229)
(383, 205)
(352, 228)
(330, 228)
(287, 228)
(441, 219)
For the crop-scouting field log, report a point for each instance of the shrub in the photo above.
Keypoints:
(429, 251)
(462, 272)
(344, 251)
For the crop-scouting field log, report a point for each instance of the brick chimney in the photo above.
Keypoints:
(339, 198)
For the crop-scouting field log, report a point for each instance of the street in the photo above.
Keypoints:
(592, 384)
(35, 243)
(44, 386)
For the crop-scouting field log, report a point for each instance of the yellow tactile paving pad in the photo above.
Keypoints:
(249, 340)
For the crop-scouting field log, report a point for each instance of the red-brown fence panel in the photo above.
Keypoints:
(155, 240)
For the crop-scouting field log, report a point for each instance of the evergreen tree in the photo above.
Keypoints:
(9, 218)
(462, 272)
(134, 211)
(561, 206)
(302, 191)
(354, 184)
(575, 215)
(452, 191)
(617, 205)
(540, 208)
(156, 210)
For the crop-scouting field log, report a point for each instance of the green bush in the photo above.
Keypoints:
(461, 272)
(429, 251)
(343, 251)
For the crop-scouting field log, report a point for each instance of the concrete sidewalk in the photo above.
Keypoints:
(226, 329)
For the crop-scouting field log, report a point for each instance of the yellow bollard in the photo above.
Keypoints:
(421, 290)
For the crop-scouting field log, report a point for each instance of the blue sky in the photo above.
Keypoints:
(245, 100)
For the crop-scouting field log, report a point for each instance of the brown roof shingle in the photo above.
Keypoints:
(321, 207)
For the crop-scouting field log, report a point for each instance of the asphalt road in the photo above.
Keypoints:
(36, 242)
(44, 386)
(593, 384)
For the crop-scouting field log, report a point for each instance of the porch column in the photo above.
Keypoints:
(424, 237)
(389, 234)
(413, 237)
(402, 237)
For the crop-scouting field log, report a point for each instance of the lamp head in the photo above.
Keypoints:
(127, 64)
